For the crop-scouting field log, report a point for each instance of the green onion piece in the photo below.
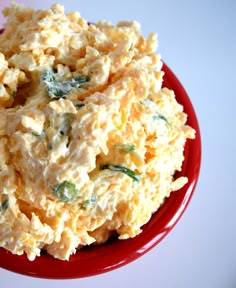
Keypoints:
(66, 191)
(122, 169)
(5, 205)
(162, 117)
(89, 202)
(58, 89)
(126, 147)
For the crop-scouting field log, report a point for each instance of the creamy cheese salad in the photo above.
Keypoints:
(89, 139)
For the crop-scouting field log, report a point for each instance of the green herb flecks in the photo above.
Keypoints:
(58, 89)
(79, 105)
(4, 205)
(48, 76)
(125, 147)
(89, 202)
(162, 117)
(66, 191)
(122, 169)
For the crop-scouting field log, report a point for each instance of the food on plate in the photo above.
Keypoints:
(90, 141)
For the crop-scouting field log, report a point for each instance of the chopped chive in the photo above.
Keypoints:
(58, 89)
(5, 205)
(79, 105)
(162, 117)
(48, 76)
(122, 169)
(126, 147)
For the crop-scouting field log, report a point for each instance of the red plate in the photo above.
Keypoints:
(116, 253)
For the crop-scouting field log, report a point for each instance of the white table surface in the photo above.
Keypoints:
(197, 39)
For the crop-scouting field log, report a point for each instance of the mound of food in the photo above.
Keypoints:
(90, 141)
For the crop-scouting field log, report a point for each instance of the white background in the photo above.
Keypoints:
(197, 39)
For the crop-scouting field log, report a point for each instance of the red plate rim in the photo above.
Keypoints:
(116, 253)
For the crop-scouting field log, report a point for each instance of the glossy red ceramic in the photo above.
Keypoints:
(116, 253)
